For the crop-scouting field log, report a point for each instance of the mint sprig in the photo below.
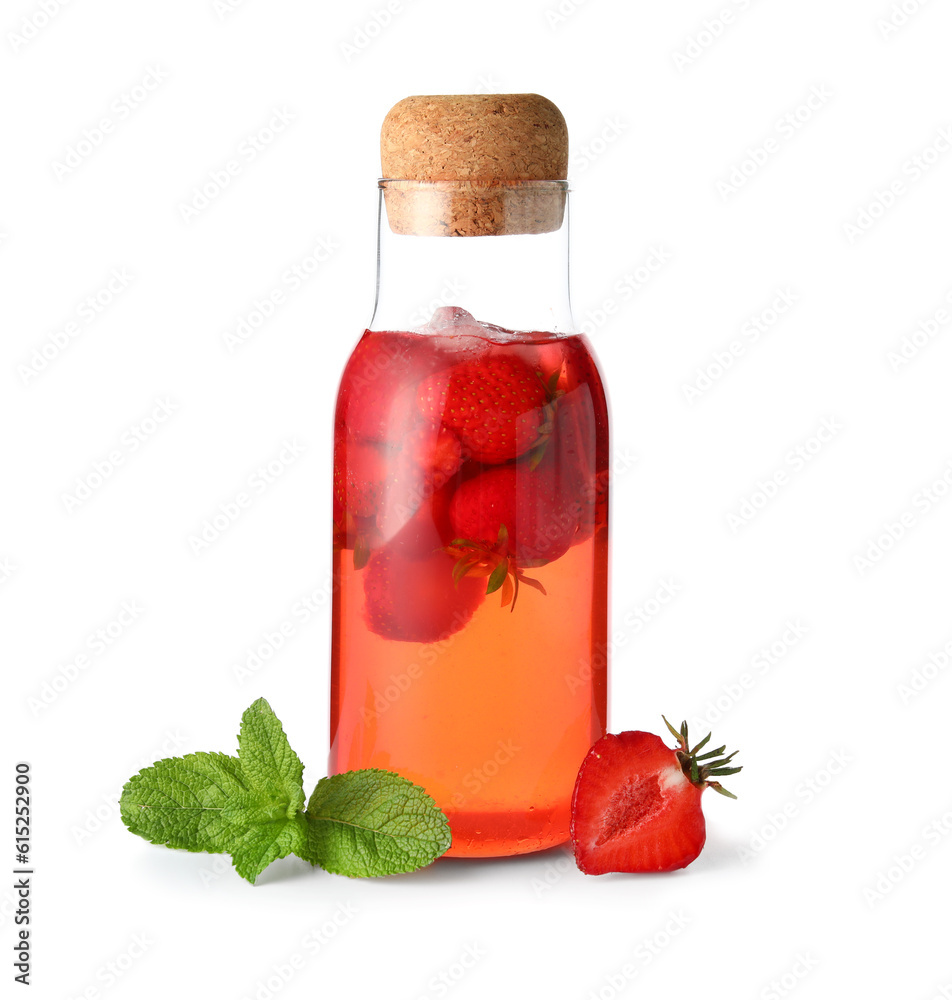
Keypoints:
(359, 823)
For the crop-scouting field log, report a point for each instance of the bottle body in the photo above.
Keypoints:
(470, 609)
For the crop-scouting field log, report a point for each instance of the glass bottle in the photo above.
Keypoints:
(470, 602)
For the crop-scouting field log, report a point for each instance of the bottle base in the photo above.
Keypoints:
(504, 834)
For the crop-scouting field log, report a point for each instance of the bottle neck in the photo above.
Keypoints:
(516, 277)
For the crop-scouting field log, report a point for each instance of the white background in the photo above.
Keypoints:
(829, 874)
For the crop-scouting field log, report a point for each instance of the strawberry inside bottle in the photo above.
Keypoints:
(471, 478)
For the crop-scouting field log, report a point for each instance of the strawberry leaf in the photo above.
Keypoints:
(361, 552)
(671, 729)
(497, 577)
(535, 584)
(461, 567)
(467, 543)
(701, 744)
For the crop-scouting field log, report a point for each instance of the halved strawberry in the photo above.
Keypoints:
(494, 405)
(637, 802)
(415, 600)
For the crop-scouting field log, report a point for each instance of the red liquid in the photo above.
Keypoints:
(440, 442)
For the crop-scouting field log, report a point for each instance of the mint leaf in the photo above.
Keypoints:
(265, 842)
(267, 819)
(267, 760)
(373, 822)
(250, 807)
(179, 801)
(265, 827)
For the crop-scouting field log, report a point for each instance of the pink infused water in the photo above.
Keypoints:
(470, 572)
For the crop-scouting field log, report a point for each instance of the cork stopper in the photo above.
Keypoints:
(470, 165)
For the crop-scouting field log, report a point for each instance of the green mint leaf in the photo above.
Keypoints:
(373, 822)
(267, 760)
(264, 842)
(255, 807)
(268, 820)
(179, 801)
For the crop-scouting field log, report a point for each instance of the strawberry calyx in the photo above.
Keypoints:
(714, 763)
(550, 383)
(547, 426)
(362, 551)
(473, 558)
